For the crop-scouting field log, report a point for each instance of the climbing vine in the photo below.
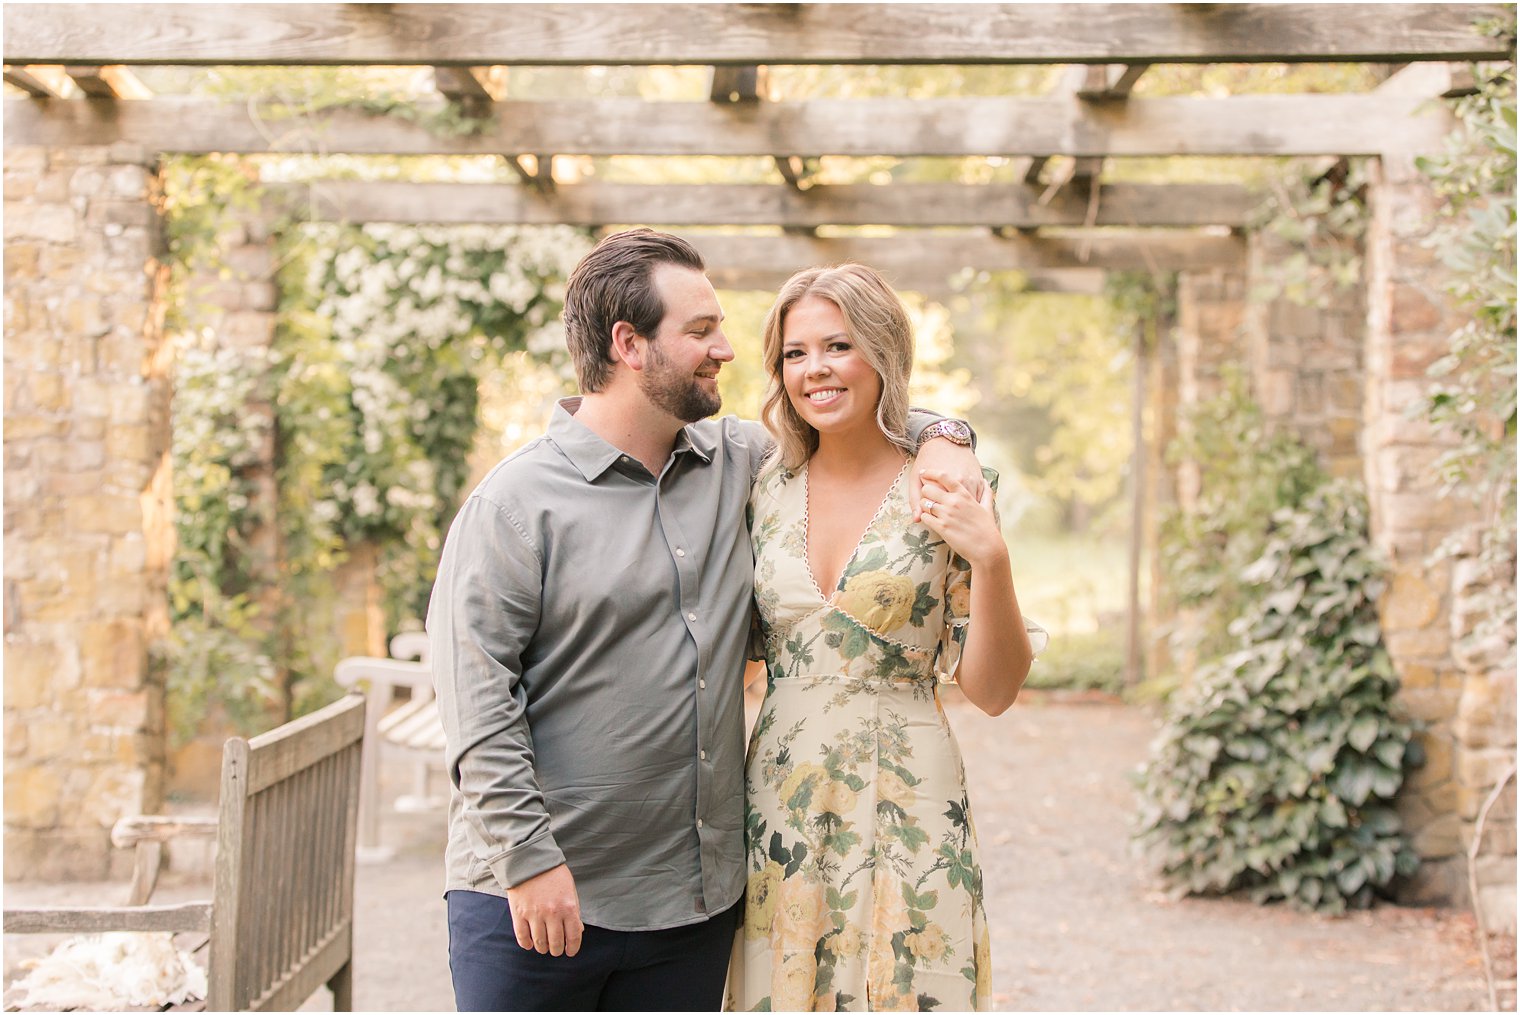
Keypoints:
(353, 428)
(1276, 769)
(1473, 397)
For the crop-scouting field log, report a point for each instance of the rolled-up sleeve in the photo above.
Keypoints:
(485, 608)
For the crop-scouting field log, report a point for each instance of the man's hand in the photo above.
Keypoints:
(955, 463)
(546, 913)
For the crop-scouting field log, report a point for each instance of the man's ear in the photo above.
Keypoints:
(627, 345)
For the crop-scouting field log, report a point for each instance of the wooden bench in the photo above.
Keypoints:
(281, 913)
(411, 729)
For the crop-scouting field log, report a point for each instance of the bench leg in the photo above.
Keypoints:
(342, 987)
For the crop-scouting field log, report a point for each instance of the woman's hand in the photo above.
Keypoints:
(951, 462)
(961, 517)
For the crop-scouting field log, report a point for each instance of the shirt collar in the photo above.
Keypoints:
(592, 455)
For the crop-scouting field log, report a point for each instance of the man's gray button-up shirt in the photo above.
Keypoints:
(588, 631)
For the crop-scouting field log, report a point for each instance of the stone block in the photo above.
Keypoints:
(132, 443)
(113, 654)
(52, 738)
(32, 796)
(116, 791)
(246, 329)
(1410, 602)
(59, 262)
(1498, 902)
(1416, 675)
(1277, 393)
(1440, 838)
(128, 555)
(1483, 767)
(1422, 510)
(131, 181)
(112, 513)
(57, 854)
(36, 671)
(34, 220)
(83, 316)
(31, 427)
(117, 710)
(1438, 758)
(1486, 712)
(1412, 312)
(24, 160)
(16, 741)
(21, 261)
(1430, 705)
(1412, 361)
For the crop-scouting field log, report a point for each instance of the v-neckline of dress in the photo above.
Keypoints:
(807, 529)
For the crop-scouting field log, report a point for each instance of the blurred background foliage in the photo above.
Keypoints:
(1045, 378)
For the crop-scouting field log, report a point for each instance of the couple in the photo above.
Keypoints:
(589, 628)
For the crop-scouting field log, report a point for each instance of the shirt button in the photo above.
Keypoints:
(699, 822)
(702, 755)
(691, 616)
(680, 552)
(702, 684)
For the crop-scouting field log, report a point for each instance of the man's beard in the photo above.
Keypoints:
(678, 394)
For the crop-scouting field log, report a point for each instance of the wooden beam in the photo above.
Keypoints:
(929, 278)
(899, 204)
(1106, 84)
(185, 916)
(470, 34)
(739, 84)
(536, 171)
(954, 252)
(459, 84)
(1271, 125)
(108, 82)
(34, 84)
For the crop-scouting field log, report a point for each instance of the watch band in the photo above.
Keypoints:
(952, 430)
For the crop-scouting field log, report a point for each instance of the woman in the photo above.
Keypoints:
(864, 890)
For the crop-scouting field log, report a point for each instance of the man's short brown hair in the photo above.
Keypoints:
(615, 283)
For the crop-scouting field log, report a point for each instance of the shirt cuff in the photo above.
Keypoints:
(518, 864)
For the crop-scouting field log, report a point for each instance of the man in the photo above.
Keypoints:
(588, 632)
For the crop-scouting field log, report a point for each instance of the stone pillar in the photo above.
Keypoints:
(1211, 308)
(88, 532)
(1465, 699)
(1210, 314)
(1160, 495)
(1306, 364)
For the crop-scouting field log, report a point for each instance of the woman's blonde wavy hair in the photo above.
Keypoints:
(878, 325)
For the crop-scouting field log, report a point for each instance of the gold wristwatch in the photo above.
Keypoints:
(952, 430)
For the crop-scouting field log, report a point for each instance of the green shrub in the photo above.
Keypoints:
(1277, 768)
(1093, 661)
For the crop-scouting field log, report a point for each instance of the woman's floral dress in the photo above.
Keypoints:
(864, 890)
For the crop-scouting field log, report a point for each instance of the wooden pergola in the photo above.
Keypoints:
(1061, 226)
(1054, 215)
(55, 51)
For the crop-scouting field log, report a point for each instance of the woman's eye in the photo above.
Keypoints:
(791, 354)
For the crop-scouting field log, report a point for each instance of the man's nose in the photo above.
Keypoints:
(721, 350)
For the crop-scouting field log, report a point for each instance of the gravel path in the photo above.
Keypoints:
(1077, 924)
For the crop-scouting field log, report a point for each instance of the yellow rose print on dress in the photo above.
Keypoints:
(881, 601)
(760, 900)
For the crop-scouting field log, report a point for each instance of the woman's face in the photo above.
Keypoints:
(829, 382)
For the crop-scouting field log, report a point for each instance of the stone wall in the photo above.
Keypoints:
(1306, 363)
(1465, 696)
(87, 505)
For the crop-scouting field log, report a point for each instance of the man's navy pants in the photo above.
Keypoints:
(681, 969)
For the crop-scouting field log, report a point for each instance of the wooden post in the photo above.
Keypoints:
(1145, 336)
